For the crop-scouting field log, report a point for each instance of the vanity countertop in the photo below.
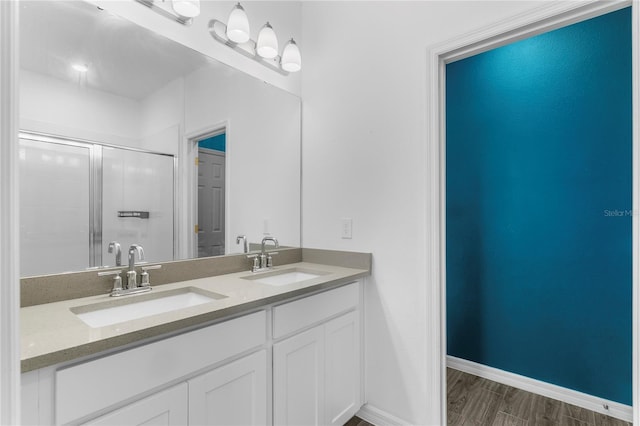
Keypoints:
(51, 333)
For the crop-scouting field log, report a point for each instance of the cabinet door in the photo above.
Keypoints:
(342, 368)
(298, 379)
(234, 394)
(168, 407)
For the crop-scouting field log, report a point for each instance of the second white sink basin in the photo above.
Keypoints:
(140, 306)
(285, 276)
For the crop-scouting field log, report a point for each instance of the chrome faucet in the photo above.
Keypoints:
(244, 239)
(114, 245)
(131, 286)
(272, 239)
(264, 260)
(132, 281)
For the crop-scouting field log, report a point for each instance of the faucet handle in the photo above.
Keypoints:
(270, 258)
(150, 268)
(256, 262)
(107, 273)
(144, 276)
(117, 280)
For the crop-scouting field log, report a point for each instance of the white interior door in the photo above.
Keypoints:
(211, 204)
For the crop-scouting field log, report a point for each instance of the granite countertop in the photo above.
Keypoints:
(51, 333)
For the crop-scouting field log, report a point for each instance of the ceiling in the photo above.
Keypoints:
(123, 58)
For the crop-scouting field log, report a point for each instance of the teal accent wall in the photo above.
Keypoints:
(218, 142)
(538, 193)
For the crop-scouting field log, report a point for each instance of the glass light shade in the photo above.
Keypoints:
(267, 44)
(186, 8)
(238, 25)
(291, 60)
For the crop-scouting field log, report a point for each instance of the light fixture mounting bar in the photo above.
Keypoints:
(218, 31)
(151, 4)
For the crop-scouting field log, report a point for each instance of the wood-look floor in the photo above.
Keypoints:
(357, 421)
(473, 401)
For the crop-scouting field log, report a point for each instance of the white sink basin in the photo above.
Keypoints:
(140, 306)
(285, 276)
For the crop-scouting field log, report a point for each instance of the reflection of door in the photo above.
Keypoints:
(211, 172)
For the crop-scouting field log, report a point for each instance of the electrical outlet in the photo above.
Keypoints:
(347, 225)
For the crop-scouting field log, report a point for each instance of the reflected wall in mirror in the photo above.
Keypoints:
(144, 103)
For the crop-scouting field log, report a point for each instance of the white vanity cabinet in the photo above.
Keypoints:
(114, 383)
(343, 396)
(234, 394)
(298, 379)
(317, 370)
(293, 363)
(168, 407)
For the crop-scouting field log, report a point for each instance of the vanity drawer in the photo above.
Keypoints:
(293, 316)
(92, 386)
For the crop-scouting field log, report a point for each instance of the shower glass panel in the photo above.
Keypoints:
(80, 196)
(137, 184)
(54, 207)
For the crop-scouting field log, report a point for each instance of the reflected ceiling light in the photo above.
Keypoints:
(291, 60)
(186, 8)
(238, 25)
(235, 34)
(267, 44)
(80, 67)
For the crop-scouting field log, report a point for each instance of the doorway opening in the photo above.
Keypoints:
(538, 22)
(211, 193)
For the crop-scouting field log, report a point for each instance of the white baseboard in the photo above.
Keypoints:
(378, 417)
(590, 402)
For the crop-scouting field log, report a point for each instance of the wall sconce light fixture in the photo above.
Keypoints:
(236, 35)
(183, 11)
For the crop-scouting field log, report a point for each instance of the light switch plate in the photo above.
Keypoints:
(347, 225)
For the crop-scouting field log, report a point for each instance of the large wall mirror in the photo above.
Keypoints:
(128, 137)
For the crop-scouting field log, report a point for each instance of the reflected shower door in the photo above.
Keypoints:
(137, 182)
(54, 209)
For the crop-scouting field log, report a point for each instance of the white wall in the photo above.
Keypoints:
(53, 106)
(263, 150)
(364, 135)
(162, 118)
